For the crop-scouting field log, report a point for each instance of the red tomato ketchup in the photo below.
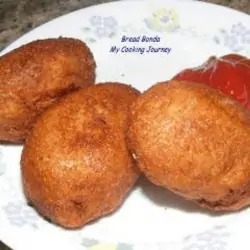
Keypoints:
(230, 74)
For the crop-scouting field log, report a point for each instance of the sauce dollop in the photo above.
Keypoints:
(230, 74)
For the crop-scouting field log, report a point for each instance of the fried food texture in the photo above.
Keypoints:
(34, 76)
(194, 141)
(76, 166)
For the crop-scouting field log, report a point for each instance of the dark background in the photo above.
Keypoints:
(19, 16)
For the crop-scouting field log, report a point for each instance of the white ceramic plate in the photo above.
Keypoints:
(151, 218)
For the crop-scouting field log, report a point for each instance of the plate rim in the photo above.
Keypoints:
(116, 3)
(125, 2)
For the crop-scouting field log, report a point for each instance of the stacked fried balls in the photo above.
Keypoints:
(87, 143)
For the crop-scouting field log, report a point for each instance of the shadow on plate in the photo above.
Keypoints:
(92, 222)
(159, 196)
(8, 144)
(165, 198)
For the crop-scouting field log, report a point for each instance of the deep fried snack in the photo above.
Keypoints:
(76, 166)
(195, 141)
(34, 76)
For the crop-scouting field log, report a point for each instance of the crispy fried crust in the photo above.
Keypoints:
(194, 141)
(34, 76)
(76, 166)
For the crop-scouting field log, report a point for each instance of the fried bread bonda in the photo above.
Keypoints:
(76, 166)
(194, 141)
(34, 76)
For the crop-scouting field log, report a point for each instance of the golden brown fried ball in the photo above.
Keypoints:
(34, 76)
(76, 166)
(195, 141)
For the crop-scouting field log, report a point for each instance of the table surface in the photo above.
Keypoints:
(19, 16)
